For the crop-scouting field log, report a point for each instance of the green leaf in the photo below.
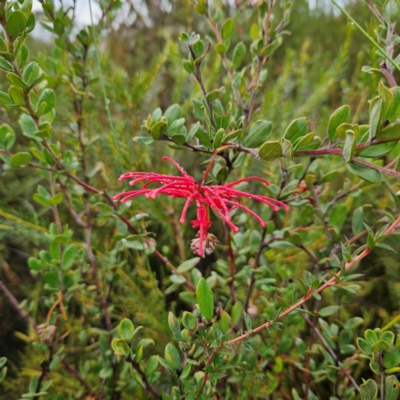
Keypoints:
(6, 65)
(392, 387)
(172, 356)
(368, 174)
(35, 265)
(258, 134)
(7, 137)
(219, 48)
(3, 361)
(353, 323)
(172, 113)
(215, 94)
(151, 365)
(388, 337)
(237, 312)
(205, 299)
(68, 257)
(375, 107)
(57, 199)
(227, 29)
(189, 321)
(20, 159)
(16, 23)
(218, 138)
(120, 347)
(46, 101)
(26, 8)
(391, 11)
(287, 149)
(188, 66)
(391, 131)
(143, 139)
(380, 345)
(270, 150)
(377, 151)
(364, 346)
(369, 390)
(247, 322)
(16, 81)
(174, 326)
(324, 312)
(126, 329)
(387, 100)
(304, 141)
(158, 129)
(17, 95)
(370, 336)
(40, 199)
(296, 129)
(391, 358)
(5, 99)
(232, 135)
(31, 73)
(188, 264)
(340, 116)
(238, 55)
(52, 279)
(349, 146)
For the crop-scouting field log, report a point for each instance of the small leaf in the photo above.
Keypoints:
(151, 365)
(120, 347)
(227, 29)
(369, 390)
(145, 342)
(6, 65)
(188, 264)
(188, 66)
(7, 137)
(258, 134)
(20, 159)
(172, 356)
(340, 116)
(349, 146)
(126, 329)
(368, 174)
(46, 102)
(370, 336)
(380, 345)
(174, 326)
(296, 129)
(189, 321)
(270, 150)
(238, 55)
(391, 358)
(388, 337)
(247, 321)
(68, 257)
(364, 346)
(324, 312)
(16, 23)
(205, 299)
(392, 387)
(353, 323)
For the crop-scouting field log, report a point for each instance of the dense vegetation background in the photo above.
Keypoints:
(317, 69)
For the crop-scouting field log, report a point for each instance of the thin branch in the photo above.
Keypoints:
(14, 302)
(78, 376)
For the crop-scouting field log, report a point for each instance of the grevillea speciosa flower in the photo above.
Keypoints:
(221, 198)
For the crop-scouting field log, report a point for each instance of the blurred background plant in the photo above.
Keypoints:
(87, 99)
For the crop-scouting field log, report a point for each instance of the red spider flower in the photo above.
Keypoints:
(222, 198)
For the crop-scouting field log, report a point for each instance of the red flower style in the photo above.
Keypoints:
(221, 198)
